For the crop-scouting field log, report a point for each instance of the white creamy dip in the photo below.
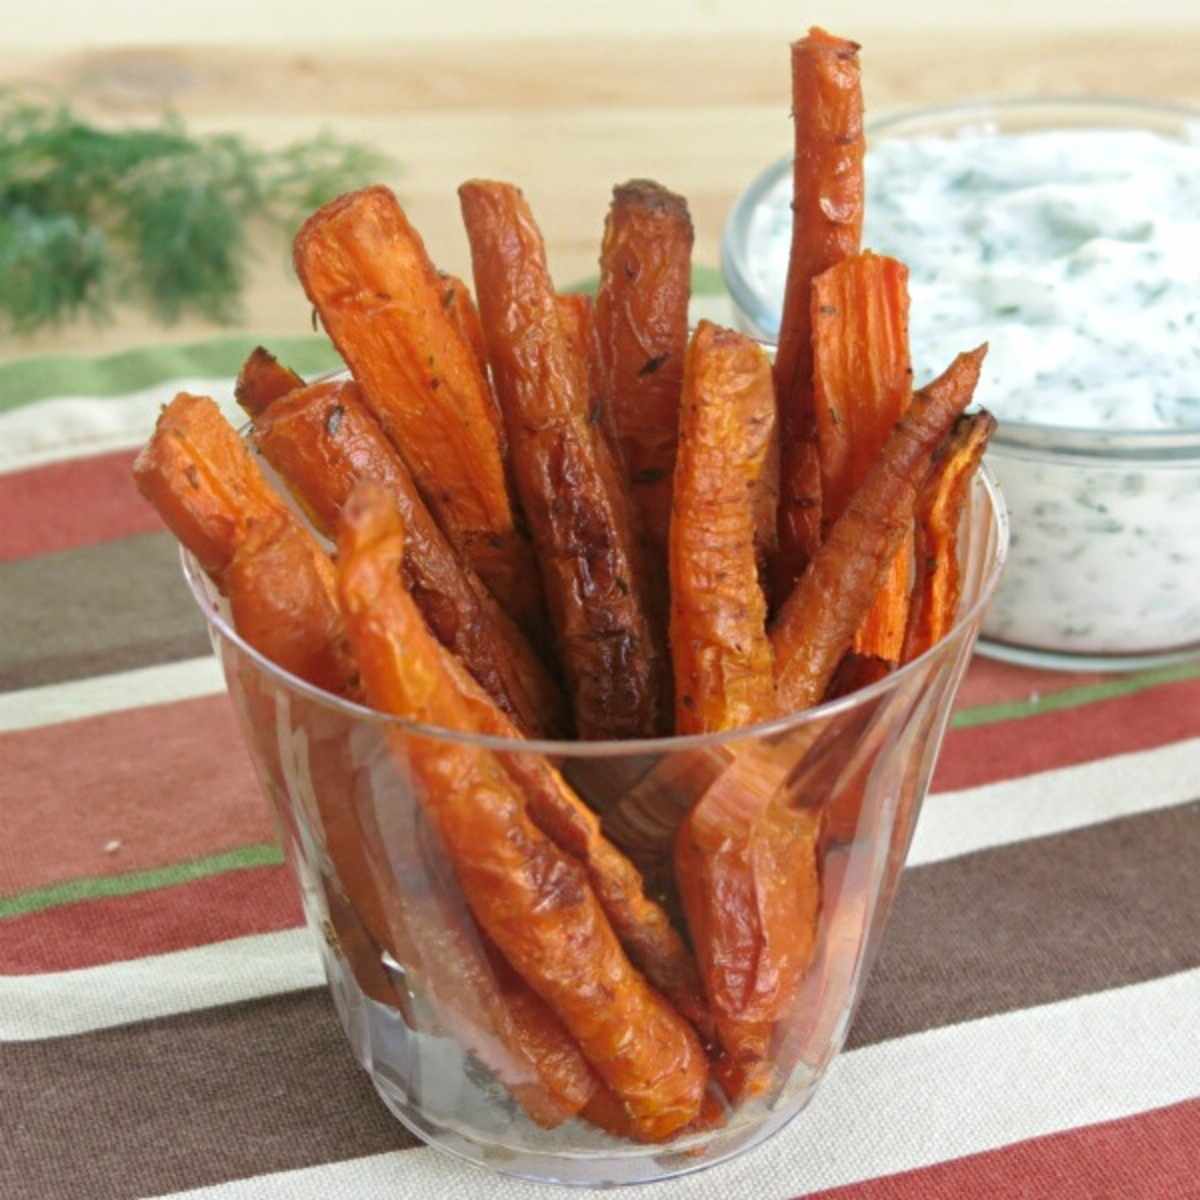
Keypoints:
(1076, 255)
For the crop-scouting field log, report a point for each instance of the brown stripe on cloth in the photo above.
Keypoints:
(125, 765)
(266, 1085)
(117, 928)
(1038, 921)
(1013, 749)
(1151, 1154)
(70, 504)
(96, 610)
(1083, 911)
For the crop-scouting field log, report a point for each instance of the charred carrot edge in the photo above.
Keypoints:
(855, 671)
(827, 210)
(322, 440)
(587, 551)
(531, 900)
(862, 385)
(641, 324)
(817, 622)
(202, 480)
(366, 271)
(939, 578)
(719, 646)
(262, 379)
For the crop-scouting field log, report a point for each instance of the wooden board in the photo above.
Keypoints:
(565, 119)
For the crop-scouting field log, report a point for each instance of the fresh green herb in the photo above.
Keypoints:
(157, 216)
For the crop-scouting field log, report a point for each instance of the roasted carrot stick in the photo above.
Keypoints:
(283, 597)
(723, 668)
(827, 209)
(577, 317)
(862, 385)
(458, 302)
(642, 926)
(366, 271)
(939, 512)
(200, 477)
(746, 867)
(471, 991)
(816, 624)
(322, 440)
(544, 1038)
(263, 378)
(456, 296)
(642, 322)
(533, 901)
(586, 547)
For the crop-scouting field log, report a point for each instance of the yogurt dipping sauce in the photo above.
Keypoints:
(1076, 254)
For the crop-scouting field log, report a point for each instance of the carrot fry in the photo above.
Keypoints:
(322, 440)
(641, 925)
(456, 296)
(202, 480)
(283, 597)
(939, 511)
(458, 302)
(262, 379)
(827, 211)
(366, 271)
(586, 547)
(642, 322)
(533, 901)
(746, 867)
(862, 385)
(817, 622)
(474, 994)
(723, 668)
(577, 317)
(543, 1037)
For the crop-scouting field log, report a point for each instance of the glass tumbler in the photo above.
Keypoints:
(427, 1004)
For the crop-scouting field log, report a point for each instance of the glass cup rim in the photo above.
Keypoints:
(1146, 445)
(216, 620)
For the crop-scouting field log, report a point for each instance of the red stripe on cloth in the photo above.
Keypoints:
(214, 909)
(1152, 1155)
(992, 682)
(70, 504)
(1011, 749)
(127, 791)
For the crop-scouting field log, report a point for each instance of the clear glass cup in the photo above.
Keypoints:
(1105, 554)
(413, 985)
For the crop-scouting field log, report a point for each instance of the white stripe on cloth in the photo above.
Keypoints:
(953, 823)
(100, 694)
(892, 1107)
(997, 814)
(71, 1002)
(79, 426)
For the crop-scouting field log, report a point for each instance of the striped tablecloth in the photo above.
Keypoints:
(1032, 1027)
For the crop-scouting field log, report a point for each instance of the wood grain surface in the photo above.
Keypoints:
(564, 118)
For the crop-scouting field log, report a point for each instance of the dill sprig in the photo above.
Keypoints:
(91, 217)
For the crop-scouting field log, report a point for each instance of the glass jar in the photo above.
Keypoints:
(1104, 568)
(424, 1000)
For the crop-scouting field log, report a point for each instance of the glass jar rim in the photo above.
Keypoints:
(1153, 445)
(219, 623)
